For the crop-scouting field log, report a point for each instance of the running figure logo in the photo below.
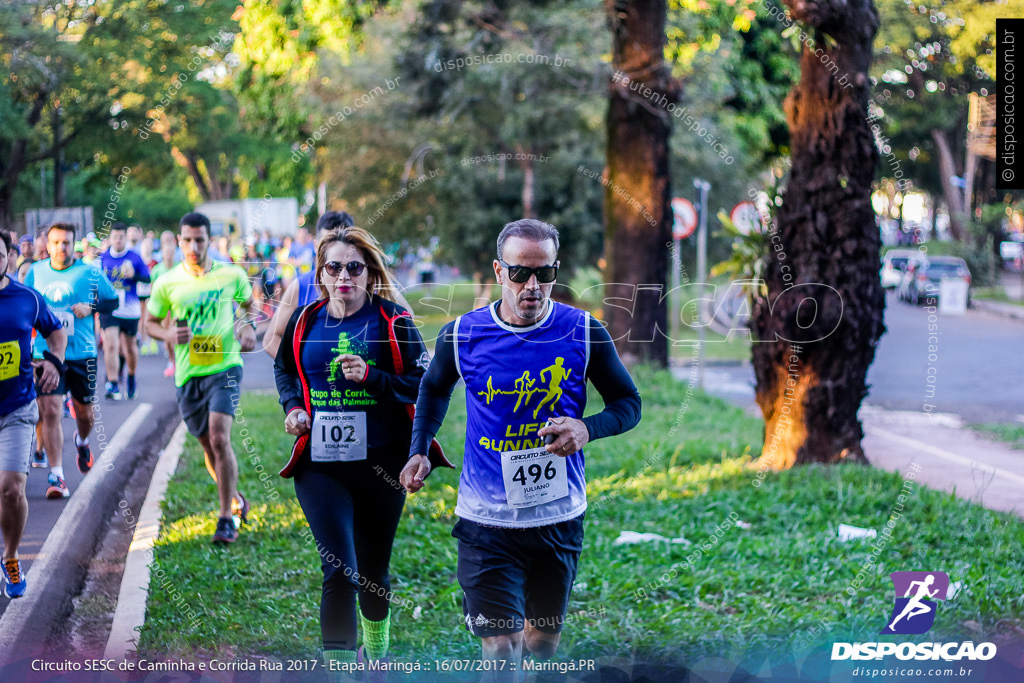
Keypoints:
(913, 613)
(524, 387)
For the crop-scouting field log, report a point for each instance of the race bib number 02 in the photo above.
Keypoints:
(338, 437)
(533, 477)
(205, 350)
(10, 359)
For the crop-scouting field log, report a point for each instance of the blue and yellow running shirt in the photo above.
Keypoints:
(79, 283)
(129, 305)
(23, 309)
(516, 378)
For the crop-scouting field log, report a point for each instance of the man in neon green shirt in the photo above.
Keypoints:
(200, 294)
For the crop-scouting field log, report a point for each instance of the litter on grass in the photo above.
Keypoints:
(847, 532)
(629, 537)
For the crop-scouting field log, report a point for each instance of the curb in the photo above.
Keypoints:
(69, 545)
(1005, 310)
(130, 613)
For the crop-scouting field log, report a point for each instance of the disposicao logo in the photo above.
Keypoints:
(913, 613)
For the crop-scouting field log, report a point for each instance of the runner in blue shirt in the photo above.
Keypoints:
(74, 291)
(526, 361)
(21, 309)
(126, 270)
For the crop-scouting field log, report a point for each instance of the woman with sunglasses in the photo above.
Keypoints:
(348, 371)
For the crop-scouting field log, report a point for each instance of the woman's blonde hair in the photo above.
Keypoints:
(379, 280)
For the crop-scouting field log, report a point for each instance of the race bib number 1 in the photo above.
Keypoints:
(338, 437)
(533, 477)
(10, 359)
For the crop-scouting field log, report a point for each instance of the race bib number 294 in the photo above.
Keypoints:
(533, 477)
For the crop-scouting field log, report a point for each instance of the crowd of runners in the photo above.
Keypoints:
(361, 394)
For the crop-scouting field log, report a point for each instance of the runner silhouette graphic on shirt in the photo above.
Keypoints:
(558, 373)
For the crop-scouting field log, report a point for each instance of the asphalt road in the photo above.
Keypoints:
(154, 389)
(978, 368)
(976, 364)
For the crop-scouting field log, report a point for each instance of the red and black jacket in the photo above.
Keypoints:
(403, 339)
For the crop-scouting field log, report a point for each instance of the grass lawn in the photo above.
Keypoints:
(1012, 434)
(770, 574)
(997, 294)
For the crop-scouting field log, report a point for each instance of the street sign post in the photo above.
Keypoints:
(684, 222)
(703, 187)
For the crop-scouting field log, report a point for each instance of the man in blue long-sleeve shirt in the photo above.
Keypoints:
(526, 361)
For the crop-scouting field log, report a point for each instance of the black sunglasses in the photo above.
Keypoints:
(354, 268)
(520, 274)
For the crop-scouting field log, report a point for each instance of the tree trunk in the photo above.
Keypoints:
(527, 194)
(481, 289)
(7, 207)
(947, 169)
(190, 163)
(58, 157)
(817, 328)
(14, 160)
(636, 205)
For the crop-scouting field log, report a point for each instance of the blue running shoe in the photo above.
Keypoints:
(57, 489)
(14, 580)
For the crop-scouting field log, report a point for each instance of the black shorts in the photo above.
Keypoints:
(199, 396)
(79, 379)
(508, 575)
(128, 326)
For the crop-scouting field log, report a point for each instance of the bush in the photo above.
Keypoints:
(981, 260)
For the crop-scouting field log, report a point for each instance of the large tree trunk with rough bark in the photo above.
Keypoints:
(636, 206)
(954, 199)
(821, 320)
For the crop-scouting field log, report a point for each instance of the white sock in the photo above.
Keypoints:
(79, 441)
(57, 471)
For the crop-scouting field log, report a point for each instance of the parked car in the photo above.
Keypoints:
(1012, 254)
(924, 276)
(894, 263)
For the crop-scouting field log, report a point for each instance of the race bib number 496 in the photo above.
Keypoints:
(533, 477)
(338, 437)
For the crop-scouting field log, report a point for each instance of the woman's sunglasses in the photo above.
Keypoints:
(520, 274)
(354, 268)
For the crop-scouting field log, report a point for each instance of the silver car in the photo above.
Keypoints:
(924, 276)
(894, 263)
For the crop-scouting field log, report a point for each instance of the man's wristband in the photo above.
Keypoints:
(56, 362)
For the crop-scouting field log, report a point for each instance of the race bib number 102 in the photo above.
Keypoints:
(338, 437)
(533, 477)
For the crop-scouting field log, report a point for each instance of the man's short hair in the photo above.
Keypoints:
(194, 219)
(527, 228)
(64, 227)
(119, 226)
(335, 219)
(8, 242)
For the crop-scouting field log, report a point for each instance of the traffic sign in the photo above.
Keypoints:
(746, 218)
(685, 218)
